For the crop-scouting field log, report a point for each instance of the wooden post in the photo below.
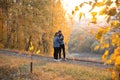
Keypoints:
(31, 67)
(31, 64)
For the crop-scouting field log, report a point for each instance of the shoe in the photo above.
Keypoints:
(64, 59)
(55, 60)
(60, 59)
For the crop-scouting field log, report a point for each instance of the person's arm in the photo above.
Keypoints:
(59, 40)
(61, 37)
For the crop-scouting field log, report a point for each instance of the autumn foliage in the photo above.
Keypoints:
(107, 36)
(26, 22)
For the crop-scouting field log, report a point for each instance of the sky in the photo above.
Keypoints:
(69, 5)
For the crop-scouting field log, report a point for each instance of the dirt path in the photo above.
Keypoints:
(72, 60)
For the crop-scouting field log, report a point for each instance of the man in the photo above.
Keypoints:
(62, 45)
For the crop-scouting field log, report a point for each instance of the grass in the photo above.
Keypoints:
(17, 68)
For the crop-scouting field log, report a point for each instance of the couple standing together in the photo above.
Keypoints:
(58, 45)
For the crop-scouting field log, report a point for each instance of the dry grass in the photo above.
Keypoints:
(65, 71)
(12, 68)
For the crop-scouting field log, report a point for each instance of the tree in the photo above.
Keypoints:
(108, 36)
(26, 21)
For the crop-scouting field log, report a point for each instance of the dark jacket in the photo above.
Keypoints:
(61, 39)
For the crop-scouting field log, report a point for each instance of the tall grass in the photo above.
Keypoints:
(14, 68)
(65, 71)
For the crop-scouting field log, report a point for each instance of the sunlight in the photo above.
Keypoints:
(69, 5)
(85, 8)
(98, 9)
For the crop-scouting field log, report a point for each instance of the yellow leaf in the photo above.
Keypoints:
(76, 8)
(104, 57)
(113, 57)
(117, 2)
(98, 35)
(106, 52)
(107, 29)
(73, 12)
(99, 4)
(115, 39)
(38, 51)
(108, 2)
(117, 51)
(101, 40)
(115, 24)
(112, 11)
(106, 45)
(94, 20)
(103, 11)
(80, 14)
(117, 62)
(94, 14)
(96, 48)
(31, 48)
(108, 62)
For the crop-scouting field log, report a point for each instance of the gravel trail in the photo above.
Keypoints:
(82, 59)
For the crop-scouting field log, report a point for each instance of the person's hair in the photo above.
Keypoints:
(59, 31)
(55, 34)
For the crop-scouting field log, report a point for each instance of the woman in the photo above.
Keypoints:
(56, 46)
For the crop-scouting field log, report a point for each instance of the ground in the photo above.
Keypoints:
(16, 66)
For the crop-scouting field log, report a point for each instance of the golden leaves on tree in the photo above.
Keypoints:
(103, 11)
(116, 54)
(96, 47)
(100, 32)
(73, 12)
(94, 19)
(117, 61)
(38, 51)
(80, 15)
(106, 45)
(117, 2)
(108, 2)
(115, 39)
(31, 47)
(107, 36)
(99, 4)
(94, 14)
(104, 57)
(112, 11)
(115, 24)
(76, 8)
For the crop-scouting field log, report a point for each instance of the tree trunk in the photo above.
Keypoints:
(2, 22)
(28, 43)
(7, 23)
